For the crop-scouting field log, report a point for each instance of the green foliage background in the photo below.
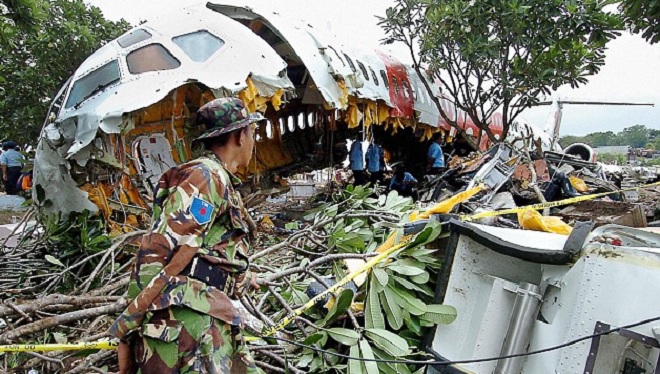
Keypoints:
(643, 16)
(637, 136)
(495, 55)
(41, 44)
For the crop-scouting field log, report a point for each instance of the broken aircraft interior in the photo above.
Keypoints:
(128, 112)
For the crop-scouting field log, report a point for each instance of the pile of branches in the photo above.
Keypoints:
(61, 281)
(383, 314)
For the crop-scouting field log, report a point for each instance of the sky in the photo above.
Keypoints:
(631, 72)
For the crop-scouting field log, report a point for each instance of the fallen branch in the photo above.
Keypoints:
(55, 299)
(120, 241)
(61, 319)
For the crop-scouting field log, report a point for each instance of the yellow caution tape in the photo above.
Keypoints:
(108, 344)
(552, 204)
(102, 345)
(299, 311)
(368, 265)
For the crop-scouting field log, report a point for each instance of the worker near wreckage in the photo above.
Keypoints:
(356, 160)
(375, 162)
(435, 156)
(193, 262)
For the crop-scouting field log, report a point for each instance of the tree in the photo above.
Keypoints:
(600, 139)
(643, 16)
(567, 140)
(48, 41)
(635, 136)
(491, 55)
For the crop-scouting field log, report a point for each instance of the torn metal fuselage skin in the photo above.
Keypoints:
(128, 112)
(581, 286)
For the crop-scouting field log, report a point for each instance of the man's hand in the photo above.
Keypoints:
(126, 361)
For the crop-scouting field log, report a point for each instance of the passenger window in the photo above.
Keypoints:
(373, 75)
(310, 119)
(200, 45)
(282, 128)
(301, 120)
(153, 57)
(385, 80)
(269, 129)
(290, 124)
(134, 37)
(364, 70)
(350, 63)
(92, 83)
(396, 85)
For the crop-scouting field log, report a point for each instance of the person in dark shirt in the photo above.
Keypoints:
(461, 147)
(404, 183)
(12, 163)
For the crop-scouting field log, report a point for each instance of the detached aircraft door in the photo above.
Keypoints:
(153, 157)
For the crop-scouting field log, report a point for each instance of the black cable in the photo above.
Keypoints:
(445, 363)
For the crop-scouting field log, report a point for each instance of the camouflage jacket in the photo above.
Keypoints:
(196, 206)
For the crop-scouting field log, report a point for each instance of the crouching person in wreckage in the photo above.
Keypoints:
(193, 262)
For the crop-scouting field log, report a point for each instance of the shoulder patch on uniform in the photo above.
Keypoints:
(201, 211)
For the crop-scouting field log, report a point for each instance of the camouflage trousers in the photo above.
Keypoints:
(183, 341)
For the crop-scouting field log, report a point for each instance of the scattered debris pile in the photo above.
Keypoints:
(64, 280)
(514, 178)
(74, 296)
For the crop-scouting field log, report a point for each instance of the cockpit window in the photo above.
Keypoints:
(151, 58)
(134, 37)
(94, 82)
(199, 45)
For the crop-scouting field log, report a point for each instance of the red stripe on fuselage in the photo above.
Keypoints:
(400, 88)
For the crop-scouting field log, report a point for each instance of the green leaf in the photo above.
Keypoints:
(404, 269)
(413, 287)
(344, 336)
(392, 309)
(408, 302)
(305, 360)
(381, 278)
(370, 367)
(440, 314)
(388, 341)
(354, 366)
(429, 234)
(341, 305)
(373, 315)
(421, 279)
(388, 368)
(411, 262)
(54, 261)
(320, 337)
(412, 323)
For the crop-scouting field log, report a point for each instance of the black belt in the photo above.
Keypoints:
(209, 273)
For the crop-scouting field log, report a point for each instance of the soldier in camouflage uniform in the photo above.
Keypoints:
(193, 261)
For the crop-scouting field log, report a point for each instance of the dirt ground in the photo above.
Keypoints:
(6, 216)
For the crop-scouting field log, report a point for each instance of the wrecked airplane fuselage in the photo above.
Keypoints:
(127, 114)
